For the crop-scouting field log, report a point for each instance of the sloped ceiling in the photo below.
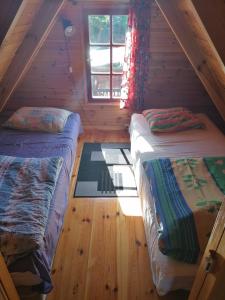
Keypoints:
(190, 20)
(206, 57)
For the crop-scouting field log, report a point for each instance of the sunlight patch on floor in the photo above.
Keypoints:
(130, 206)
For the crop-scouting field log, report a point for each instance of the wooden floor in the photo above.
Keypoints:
(102, 251)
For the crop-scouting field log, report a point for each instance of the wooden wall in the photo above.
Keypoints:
(49, 83)
(172, 80)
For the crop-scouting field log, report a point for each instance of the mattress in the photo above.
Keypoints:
(168, 274)
(34, 269)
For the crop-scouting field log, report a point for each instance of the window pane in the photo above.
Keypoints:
(100, 59)
(99, 29)
(119, 28)
(116, 86)
(100, 86)
(118, 59)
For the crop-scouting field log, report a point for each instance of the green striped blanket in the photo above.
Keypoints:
(187, 193)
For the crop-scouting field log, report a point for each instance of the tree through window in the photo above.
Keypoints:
(105, 42)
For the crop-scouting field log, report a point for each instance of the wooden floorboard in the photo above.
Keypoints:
(102, 252)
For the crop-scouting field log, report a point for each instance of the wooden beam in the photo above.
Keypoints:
(7, 286)
(213, 18)
(16, 32)
(8, 12)
(42, 25)
(197, 45)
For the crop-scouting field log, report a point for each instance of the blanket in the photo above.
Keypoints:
(26, 189)
(187, 194)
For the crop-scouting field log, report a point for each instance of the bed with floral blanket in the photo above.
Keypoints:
(26, 190)
(168, 273)
(186, 193)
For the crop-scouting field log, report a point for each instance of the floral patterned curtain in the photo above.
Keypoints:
(136, 63)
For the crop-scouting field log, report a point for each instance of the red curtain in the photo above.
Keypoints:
(137, 54)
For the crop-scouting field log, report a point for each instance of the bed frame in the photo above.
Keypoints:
(7, 288)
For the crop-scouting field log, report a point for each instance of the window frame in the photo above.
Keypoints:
(119, 10)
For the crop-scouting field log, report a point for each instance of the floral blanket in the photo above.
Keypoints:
(187, 193)
(26, 189)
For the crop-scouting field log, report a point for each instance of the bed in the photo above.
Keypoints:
(168, 274)
(34, 268)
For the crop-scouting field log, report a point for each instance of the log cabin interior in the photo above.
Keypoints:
(112, 149)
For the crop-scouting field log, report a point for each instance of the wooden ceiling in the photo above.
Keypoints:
(19, 18)
(198, 26)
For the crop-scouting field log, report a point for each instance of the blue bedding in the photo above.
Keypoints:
(39, 145)
(26, 190)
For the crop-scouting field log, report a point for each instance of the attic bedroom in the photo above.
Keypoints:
(112, 149)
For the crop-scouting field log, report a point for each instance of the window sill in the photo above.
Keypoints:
(102, 103)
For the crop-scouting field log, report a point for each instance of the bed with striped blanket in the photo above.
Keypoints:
(186, 193)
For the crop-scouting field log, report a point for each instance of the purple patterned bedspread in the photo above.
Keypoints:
(26, 189)
(34, 144)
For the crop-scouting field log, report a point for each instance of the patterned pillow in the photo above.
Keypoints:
(172, 119)
(46, 119)
(159, 111)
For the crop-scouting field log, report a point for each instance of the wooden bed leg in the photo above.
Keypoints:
(7, 288)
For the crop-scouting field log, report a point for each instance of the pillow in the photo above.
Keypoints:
(46, 119)
(172, 119)
(153, 112)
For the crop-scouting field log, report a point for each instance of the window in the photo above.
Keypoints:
(105, 42)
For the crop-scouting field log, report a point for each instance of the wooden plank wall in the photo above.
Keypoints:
(30, 47)
(186, 24)
(49, 83)
(172, 80)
